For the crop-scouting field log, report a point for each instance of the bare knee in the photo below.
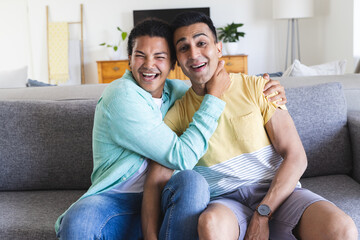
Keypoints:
(207, 225)
(323, 220)
(339, 227)
(218, 222)
(344, 228)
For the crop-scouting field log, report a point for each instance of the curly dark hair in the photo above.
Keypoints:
(152, 27)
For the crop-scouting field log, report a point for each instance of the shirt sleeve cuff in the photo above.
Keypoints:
(212, 105)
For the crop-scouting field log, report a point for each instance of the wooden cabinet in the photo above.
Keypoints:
(108, 71)
(236, 64)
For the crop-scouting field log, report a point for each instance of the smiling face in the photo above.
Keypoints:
(150, 63)
(197, 52)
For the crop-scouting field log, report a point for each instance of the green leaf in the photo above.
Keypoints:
(124, 35)
(230, 32)
(115, 48)
(102, 44)
(119, 29)
(221, 36)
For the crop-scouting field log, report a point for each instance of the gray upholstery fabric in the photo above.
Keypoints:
(85, 91)
(350, 82)
(342, 190)
(46, 144)
(320, 116)
(354, 126)
(32, 214)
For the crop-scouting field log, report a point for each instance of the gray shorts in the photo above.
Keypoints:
(244, 201)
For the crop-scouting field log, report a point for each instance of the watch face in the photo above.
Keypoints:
(264, 210)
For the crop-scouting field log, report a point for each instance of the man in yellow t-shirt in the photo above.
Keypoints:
(240, 152)
(254, 160)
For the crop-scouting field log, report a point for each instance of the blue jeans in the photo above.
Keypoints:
(184, 198)
(112, 215)
(108, 215)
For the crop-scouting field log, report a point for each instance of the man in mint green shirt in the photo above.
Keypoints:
(128, 130)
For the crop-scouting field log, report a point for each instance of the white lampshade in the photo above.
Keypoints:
(293, 8)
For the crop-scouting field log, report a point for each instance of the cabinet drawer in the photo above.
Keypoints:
(236, 64)
(108, 71)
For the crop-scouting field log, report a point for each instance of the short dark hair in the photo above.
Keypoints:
(152, 27)
(188, 18)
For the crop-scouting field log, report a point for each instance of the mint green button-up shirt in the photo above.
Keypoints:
(128, 129)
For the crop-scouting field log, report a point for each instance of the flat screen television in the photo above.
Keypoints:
(167, 15)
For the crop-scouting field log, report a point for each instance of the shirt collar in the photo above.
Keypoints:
(166, 91)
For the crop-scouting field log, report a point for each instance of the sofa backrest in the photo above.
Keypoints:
(320, 116)
(350, 83)
(46, 144)
(74, 92)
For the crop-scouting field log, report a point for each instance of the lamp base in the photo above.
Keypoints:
(357, 69)
(294, 27)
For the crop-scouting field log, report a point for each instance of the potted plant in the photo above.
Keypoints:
(230, 36)
(114, 50)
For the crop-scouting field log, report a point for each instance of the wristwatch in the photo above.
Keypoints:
(264, 210)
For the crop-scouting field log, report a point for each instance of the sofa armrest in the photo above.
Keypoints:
(354, 128)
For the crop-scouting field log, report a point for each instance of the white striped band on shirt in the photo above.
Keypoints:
(248, 168)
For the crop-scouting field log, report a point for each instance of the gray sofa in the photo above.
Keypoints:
(46, 156)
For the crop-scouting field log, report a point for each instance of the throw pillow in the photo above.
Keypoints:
(271, 75)
(13, 78)
(35, 83)
(331, 68)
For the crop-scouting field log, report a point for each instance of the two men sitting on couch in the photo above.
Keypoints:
(252, 200)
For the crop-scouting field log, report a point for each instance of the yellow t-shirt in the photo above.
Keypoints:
(240, 152)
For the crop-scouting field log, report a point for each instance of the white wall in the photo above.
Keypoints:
(329, 35)
(356, 28)
(356, 34)
(13, 34)
(326, 37)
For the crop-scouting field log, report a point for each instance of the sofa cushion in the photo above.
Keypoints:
(32, 214)
(354, 127)
(46, 144)
(320, 116)
(330, 68)
(350, 82)
(342, 190)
